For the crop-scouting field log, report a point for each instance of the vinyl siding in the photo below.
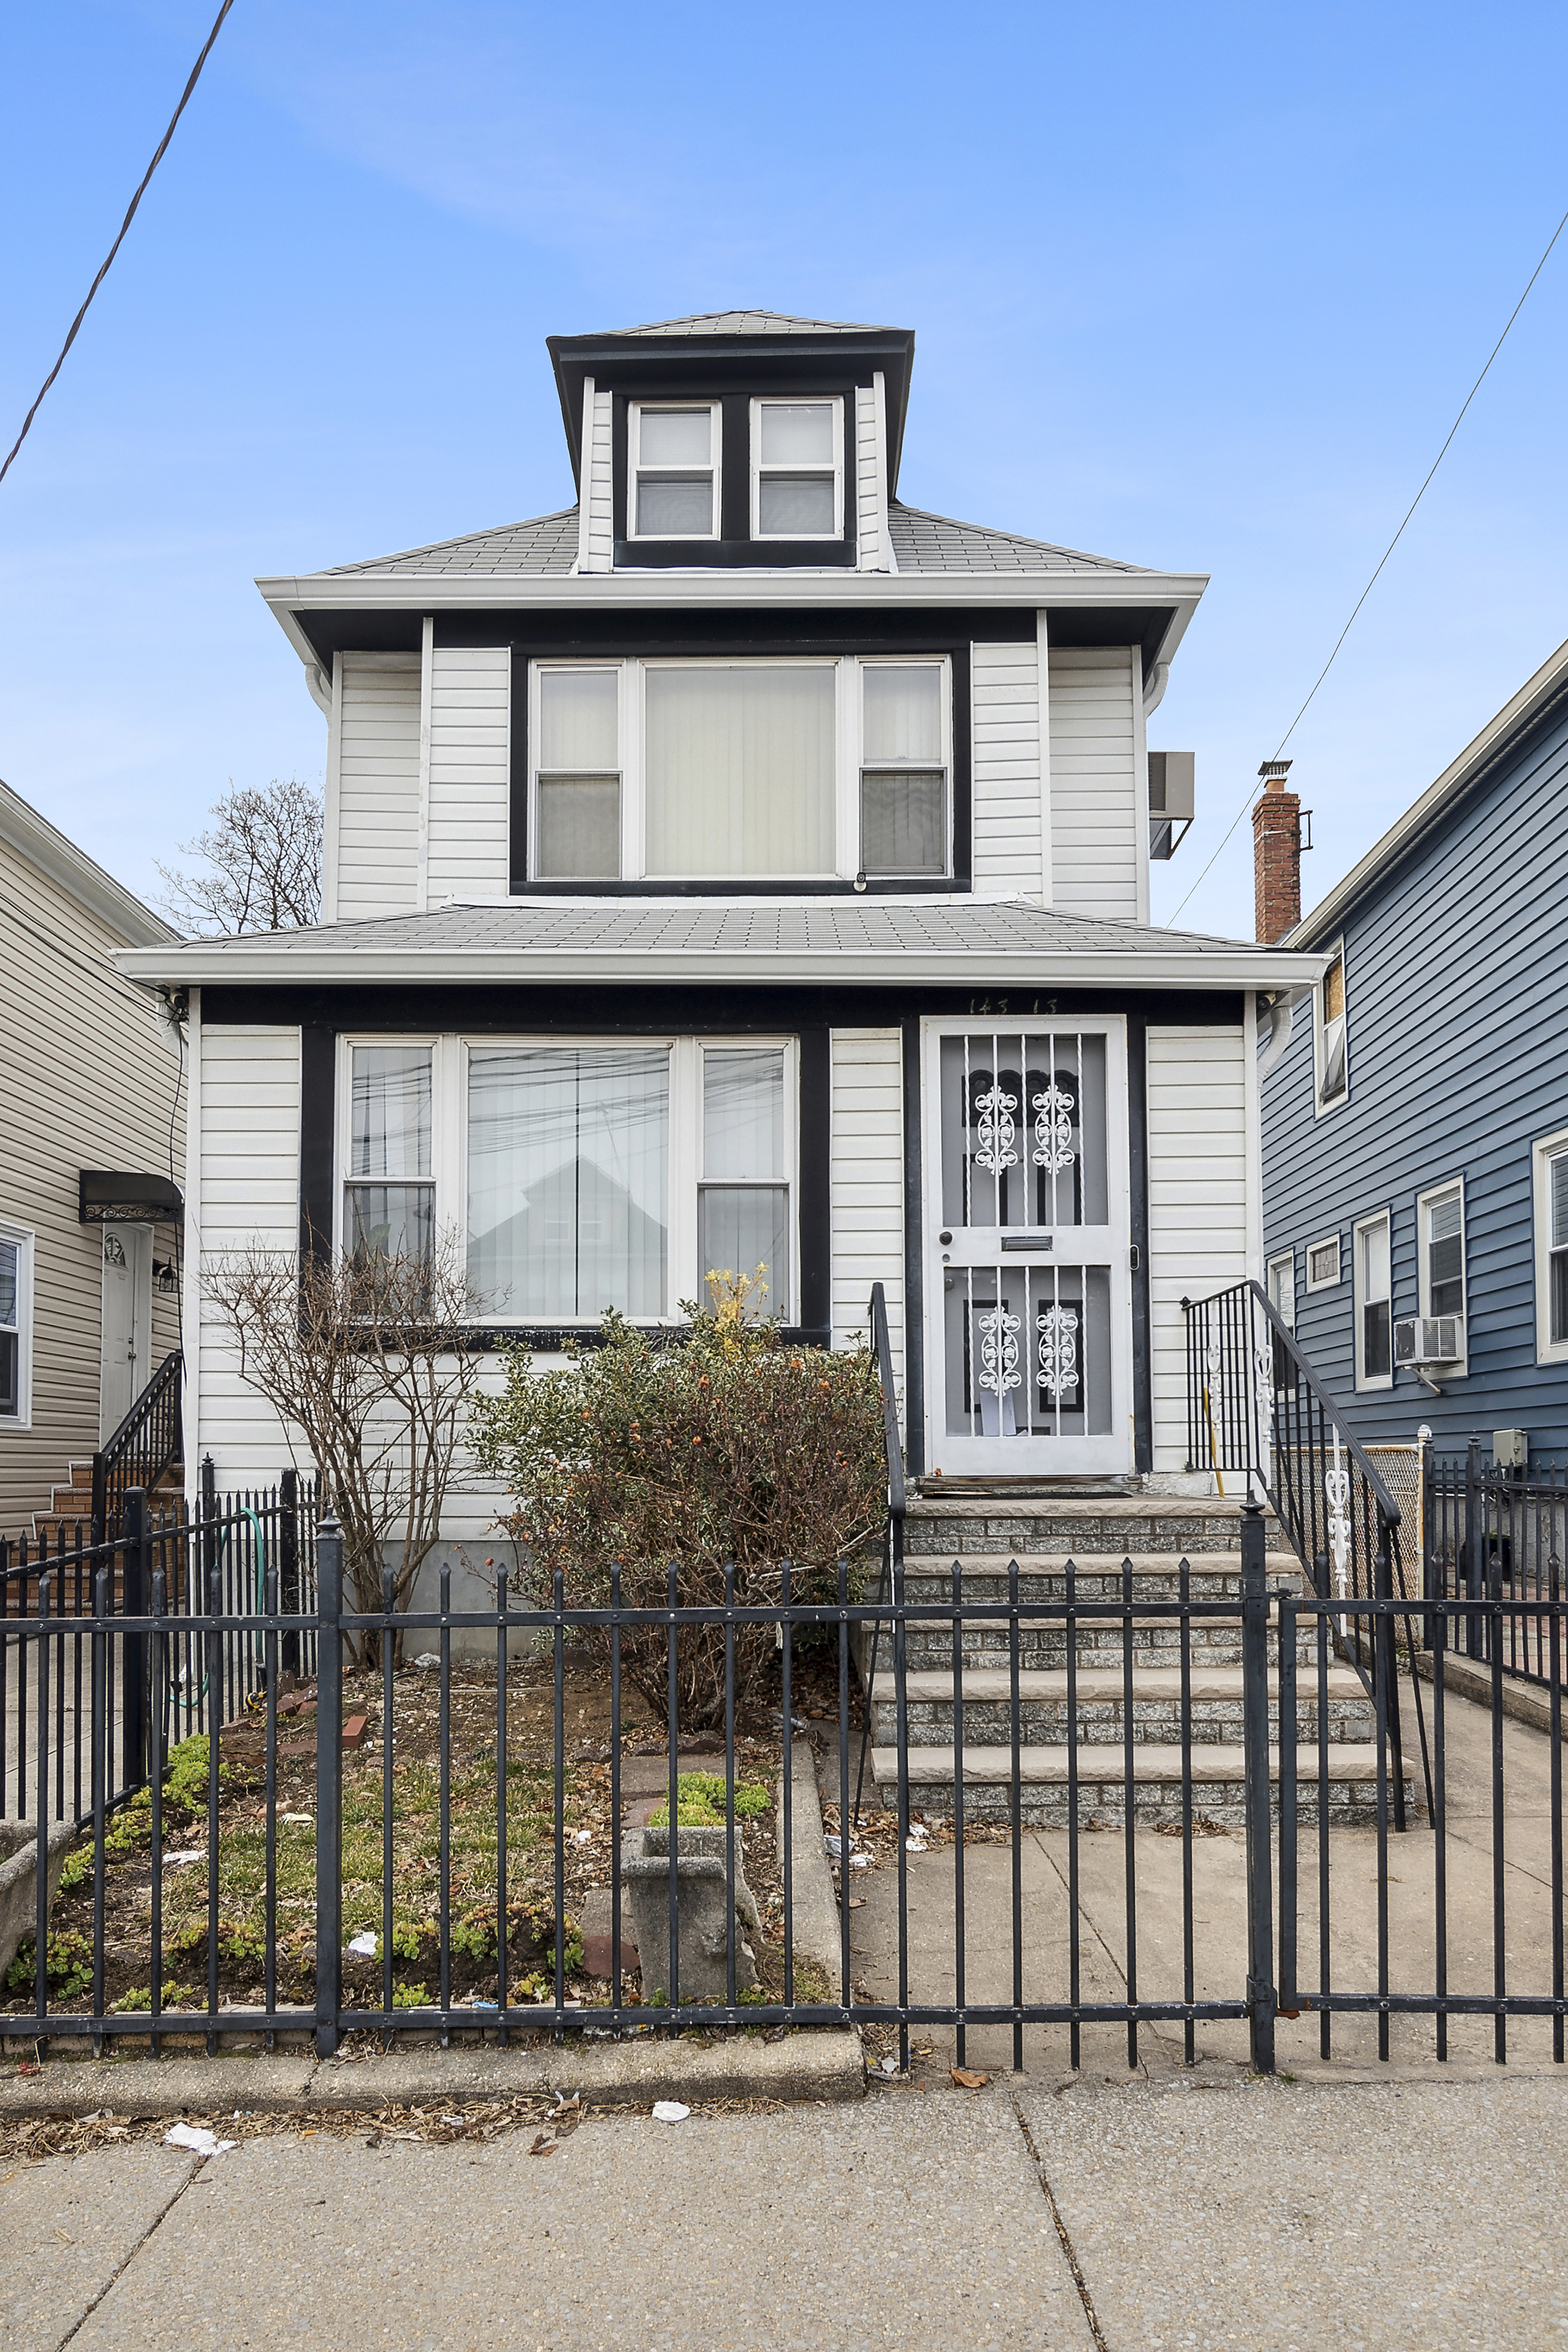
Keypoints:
(867, 1182)
(246, 1194)
(871, 498)
(1454, 1031)
(470, 782)
(89, 1083)
(1008, 817)
(1097, 856)
(377, 762)
(1198, 1185)
(599, 536)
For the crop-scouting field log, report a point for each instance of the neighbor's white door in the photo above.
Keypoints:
(126, 1361)
(1028, 1289)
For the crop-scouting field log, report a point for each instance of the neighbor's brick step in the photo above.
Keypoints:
(1095, 1684)
(1097, 1569)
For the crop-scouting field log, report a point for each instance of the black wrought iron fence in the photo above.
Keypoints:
(1498, 1536)
(431, 1841)
(94, 1597)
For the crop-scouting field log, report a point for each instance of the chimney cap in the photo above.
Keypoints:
(1275, 768)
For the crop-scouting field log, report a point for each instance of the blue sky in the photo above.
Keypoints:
(1198, 287)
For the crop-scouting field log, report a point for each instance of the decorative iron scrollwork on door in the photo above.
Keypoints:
(998, 1350)
(1057, 1329)
(1052, 1108)
(995, 1130)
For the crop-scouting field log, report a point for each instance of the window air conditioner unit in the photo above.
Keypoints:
(1429, 1339)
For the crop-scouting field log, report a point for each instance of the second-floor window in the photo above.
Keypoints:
(1333, 1075)
(729, 769)
(1374, 1305)
(797, 469)
(675, 454)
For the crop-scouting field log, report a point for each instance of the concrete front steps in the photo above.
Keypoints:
(1097, 1534)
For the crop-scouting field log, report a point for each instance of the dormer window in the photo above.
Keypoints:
(675, 454)
(797, 469)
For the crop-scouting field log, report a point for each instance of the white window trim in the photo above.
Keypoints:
(1424, 1202)
(784, 538)
(849, 747)
(634, 468)
(1323, 1109)
(1365, 1225)
(890, 767)
(1282, 1257)
(1542, 1153)
(26, 1239)
(450, 1138)
(1331, 1282)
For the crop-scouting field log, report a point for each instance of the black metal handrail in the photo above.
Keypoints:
(1256, 1408)
(890, 1582)
(147, 1441)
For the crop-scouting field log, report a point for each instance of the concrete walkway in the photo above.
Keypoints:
(1201, 2212)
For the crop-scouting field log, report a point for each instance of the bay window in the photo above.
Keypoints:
(573, 1175)
(792, 770)
(673, 467)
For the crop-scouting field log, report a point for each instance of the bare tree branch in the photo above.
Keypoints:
(264, 857)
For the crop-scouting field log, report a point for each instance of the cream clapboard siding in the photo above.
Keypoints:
(470, 774)
(243, 1194)
(1201, 1203)
(1010, 847)
(1096, 854)
(376, 762)
(597, 538)
(89, 1083)
(867, 1183)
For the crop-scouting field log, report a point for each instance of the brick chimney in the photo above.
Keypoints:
(1276, 855)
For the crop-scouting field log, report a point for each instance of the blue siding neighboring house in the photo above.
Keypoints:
(1453, 1096)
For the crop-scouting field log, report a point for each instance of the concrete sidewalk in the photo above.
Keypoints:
(1205, 2210)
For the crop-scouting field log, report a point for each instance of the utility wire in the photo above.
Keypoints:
(130, 215)
(1388, 551)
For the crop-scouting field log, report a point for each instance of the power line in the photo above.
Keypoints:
(130, 215)
(1388, 551)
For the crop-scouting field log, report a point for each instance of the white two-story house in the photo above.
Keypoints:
(742, 867)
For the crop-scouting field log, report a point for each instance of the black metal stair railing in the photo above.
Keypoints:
(890, 1582)
(1257, 1412)
(147, 1442)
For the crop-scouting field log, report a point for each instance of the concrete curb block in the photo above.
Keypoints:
(819, 2064)
(813, 1904)
(1467, 1678)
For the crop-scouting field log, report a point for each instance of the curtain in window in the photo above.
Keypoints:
(743, 1200)
(568, 1180)
(739, 770)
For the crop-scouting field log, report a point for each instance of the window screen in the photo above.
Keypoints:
(1446, 1256)
(578, 804)
(903, 776)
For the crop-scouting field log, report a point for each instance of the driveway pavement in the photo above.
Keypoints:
(1149, 2215)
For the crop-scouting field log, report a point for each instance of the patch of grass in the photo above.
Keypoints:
(700, 1800)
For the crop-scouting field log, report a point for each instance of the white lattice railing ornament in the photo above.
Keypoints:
(996, 1130)
(1262, 1374)
(999, 1352)
(1053, 1111)
(1337, 1493)
(1057, 1327)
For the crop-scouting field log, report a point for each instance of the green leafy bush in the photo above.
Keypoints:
(700, 1801)
(726, 1445)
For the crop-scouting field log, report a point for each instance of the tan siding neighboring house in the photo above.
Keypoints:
(89, 1083)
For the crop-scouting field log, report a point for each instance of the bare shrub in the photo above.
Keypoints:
(371, 1361)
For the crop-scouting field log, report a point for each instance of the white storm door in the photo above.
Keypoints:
(1027, 1281)
(125, 1362)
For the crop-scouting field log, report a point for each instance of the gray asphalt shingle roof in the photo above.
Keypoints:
(704, 927)
(747, 322)
(548, 543)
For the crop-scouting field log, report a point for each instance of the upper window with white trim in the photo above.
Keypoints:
(1441, 1216)
(1551, 1157)
(674, 464)
(755, 769)
(16, 1326)
(797, 469)
(1328, 1033)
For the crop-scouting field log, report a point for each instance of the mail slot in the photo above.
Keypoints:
(1034, 1242)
